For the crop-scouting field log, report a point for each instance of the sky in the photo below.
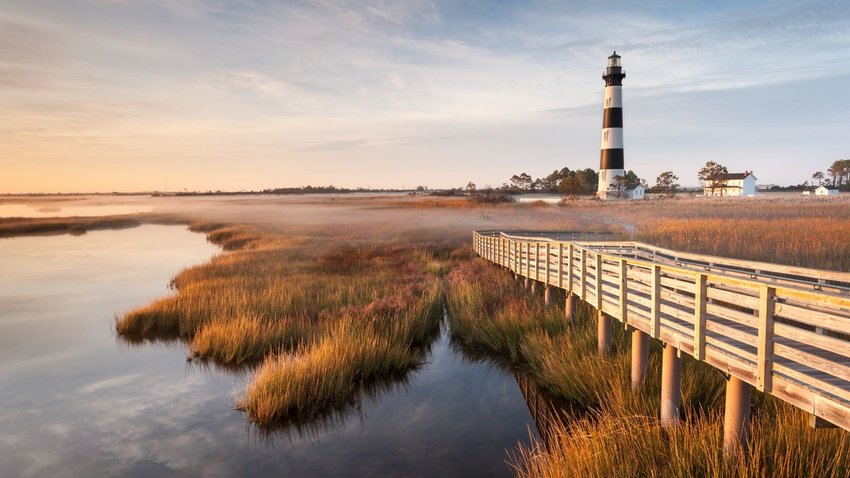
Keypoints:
(131, 95)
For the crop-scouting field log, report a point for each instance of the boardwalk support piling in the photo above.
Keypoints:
(605, 325)
(736, 423)
(534, 286)
(640, 357)
(570, 306)
(549, 296)
(671, 386)
(796, 338)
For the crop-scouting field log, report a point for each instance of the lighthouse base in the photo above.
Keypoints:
(607, 186)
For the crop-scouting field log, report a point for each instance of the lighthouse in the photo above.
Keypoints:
(611, 162)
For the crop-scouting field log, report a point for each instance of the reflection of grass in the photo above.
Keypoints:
(325, 374)
(73, 225)
(323, 316)
(325, 421)
(17, 226)
(611, 431)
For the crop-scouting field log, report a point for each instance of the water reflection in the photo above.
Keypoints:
(72, 403)
(69, 209)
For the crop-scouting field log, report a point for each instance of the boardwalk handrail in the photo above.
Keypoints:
(784, 330)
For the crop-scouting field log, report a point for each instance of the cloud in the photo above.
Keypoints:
(259, 84)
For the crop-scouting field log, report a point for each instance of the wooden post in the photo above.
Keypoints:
(570, 306)
(655, 308)
(549, 295)
(671, 386)
(546, 265)
(764, 371)
(598, 284)
(736, 421)
(527, 283)
(699, 316)
(561, 265)
(640, 357)
(624, 293)
(534, 286)
(584, 274)
(570, 268)
(537, 261)
(603, 328)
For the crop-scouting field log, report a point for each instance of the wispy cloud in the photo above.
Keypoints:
(321, 78)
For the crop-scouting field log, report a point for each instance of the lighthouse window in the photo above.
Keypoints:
(605, 135)
(608, 102)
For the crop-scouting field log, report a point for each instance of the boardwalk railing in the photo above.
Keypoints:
(784, 330)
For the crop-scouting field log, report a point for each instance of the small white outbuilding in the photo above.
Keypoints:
(634, 191)
(825, 191)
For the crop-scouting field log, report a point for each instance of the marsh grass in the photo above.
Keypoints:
(322, 316)
(354, 351)
(72, 225)
(815, 242)
(618, 443)
(606, 430)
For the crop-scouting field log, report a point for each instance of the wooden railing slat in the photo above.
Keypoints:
(752, 323)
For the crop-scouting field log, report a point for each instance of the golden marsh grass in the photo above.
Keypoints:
(322, 316)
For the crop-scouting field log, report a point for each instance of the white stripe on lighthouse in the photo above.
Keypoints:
(613, 97)
(612, 138)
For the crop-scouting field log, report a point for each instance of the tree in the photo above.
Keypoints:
(470, 187)
(618, 186)
(840, 173)
(819, 177)
(631, 177)
(588, 179)
(550, 182)
(522, 182)
(666, 184)
(570, 186)
(713, 175)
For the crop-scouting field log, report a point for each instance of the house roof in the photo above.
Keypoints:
(732, 176)
(633, 186)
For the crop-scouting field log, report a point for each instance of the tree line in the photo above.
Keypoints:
(837, 175)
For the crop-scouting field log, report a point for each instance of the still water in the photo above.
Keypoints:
(76, 402)
(69, 209)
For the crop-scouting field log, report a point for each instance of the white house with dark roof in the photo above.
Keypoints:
(732, 184)
(634, 191)
(825, 191)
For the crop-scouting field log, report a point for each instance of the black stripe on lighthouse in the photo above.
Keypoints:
(612, 159)
(612, 118)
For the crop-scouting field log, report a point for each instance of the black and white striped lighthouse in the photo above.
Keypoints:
(611, 162)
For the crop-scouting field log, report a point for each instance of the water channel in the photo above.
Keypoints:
(75, 401)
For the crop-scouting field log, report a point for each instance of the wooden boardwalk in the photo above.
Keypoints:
(784, 330)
